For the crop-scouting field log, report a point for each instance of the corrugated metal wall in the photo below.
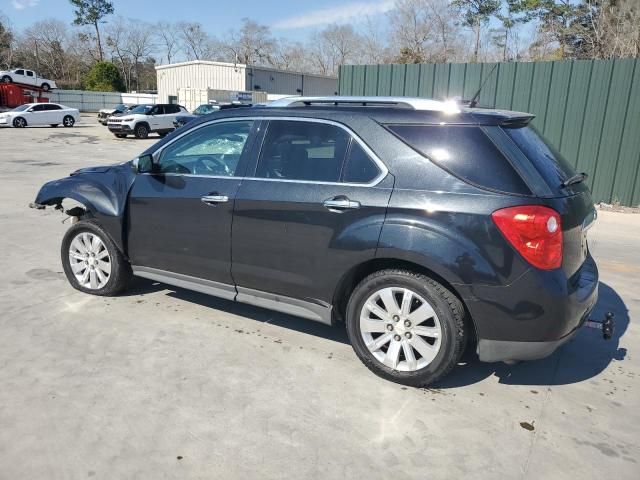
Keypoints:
(198, 74)
(588, 109)
(289, 83)
(86, 101)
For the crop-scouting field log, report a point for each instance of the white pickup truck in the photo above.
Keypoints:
(27, 77)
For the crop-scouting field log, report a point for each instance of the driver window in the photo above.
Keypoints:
(214, 150)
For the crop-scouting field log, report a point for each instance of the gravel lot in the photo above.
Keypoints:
(166, 383)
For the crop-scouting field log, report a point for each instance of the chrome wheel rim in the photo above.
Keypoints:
(68, 122)
(90, 261)
(400, 329)
(20, 123)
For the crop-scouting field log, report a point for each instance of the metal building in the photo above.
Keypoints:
(200, 74)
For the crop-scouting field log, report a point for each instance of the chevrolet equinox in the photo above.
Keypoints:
(419, 224)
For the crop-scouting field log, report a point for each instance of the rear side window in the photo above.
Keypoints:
(552, 166)
(466, 152)
(307, 151)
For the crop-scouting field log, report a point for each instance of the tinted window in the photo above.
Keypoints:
(171, 109)
(19, 72)
(52, 107)
(39, 108)
(550, 164)
(29, 74)
(466, 152)
(359, 168)
(156, 110)
(214, 150)
(302, 151)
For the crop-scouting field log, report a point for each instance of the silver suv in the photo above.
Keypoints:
(145, 119)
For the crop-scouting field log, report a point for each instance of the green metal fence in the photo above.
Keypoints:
(588, 109)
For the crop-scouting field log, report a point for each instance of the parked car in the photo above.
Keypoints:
(420, 224)
(32, 114)
(205, 109)
(27, 77)
(105, 113)
(145, 119)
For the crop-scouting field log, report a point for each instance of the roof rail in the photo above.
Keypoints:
(399, 102)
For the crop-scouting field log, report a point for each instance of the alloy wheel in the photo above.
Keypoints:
(90, 261)
(400, 329)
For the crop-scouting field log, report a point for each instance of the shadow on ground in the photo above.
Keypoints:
(582, 358)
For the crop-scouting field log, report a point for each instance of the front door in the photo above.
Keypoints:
(180, 214)
(312, 211)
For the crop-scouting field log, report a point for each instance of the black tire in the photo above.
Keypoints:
(7, 79)
(163, 134)
(120, 269)
(141, 131)
(120, 135)
(45, 87)
(54, 125)
(68, 121)
(19, 122)
(447, 307)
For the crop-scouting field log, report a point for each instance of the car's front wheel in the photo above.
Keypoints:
(68, 121)
(141, 131)
(92, 262)
(19, 122)
(406, 327)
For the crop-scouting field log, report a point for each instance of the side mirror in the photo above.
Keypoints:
(143, 164)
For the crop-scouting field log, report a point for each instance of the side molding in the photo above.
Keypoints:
(292, 306)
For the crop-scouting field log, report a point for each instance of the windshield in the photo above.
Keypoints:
(21, 108)
(204, 109)
(141, 109)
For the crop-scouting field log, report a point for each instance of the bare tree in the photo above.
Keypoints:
(252, 44)
(194, 40)
(334, 46)
(7, 38)
(169, 38)
(139, 44)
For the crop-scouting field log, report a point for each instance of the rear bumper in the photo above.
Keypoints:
(533, 316)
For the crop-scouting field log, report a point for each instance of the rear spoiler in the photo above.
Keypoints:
(517, 122)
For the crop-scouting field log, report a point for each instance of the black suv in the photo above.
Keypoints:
(422, 225)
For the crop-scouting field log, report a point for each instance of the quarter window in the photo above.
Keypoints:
(359, 167)
(309, 151)
(214, 150)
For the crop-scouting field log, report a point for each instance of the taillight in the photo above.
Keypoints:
(534, 231)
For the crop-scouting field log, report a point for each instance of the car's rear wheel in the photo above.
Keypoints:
(163, 134)
(141, 131)
(68, 121)
(45, 87)
(54, 125)
(6, 79)
(19, 122)
(92, 262)
(120, 135)
(406, 327)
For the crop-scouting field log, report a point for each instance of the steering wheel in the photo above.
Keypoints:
(210, 166)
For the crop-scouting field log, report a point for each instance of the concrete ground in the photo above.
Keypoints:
(165, 383)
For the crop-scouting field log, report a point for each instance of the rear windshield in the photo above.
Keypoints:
(466, 152)
(551, 165)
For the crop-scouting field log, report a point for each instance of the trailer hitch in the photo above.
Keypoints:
(607, 326)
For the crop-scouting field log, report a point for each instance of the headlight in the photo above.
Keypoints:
(127, 119)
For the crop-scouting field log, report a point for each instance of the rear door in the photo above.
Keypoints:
(310, 210)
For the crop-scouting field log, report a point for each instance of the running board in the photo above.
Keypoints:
(292, 306)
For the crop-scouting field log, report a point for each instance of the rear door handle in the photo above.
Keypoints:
(341, 204)
(214, 199)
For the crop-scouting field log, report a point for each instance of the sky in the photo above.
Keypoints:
(287, 19)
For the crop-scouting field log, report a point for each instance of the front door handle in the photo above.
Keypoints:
(214, 199)
(339, 204)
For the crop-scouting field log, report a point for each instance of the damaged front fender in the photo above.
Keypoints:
(103, 191)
